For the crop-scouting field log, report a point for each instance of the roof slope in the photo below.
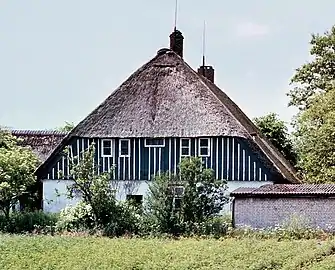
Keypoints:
(164, 98)
(167, 98)
(287, 190)
(42, 142)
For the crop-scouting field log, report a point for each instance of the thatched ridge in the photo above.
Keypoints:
(164, 98)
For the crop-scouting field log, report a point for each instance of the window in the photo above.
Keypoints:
(177, 194)
(185, 147)
(155, 142)
(124, 148)
(204, 147)
(107, 148)
(136, 200)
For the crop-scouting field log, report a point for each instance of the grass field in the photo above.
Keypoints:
(65, 252)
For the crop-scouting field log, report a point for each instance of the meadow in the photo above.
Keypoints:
(88, 252)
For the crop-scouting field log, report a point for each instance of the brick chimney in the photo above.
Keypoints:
(207, 72)
(177, 42)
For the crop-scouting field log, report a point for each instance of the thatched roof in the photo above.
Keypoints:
(167, 98)
(42, 142)
(164, 98)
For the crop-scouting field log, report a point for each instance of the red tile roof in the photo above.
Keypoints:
(286, 190)
(42, 142)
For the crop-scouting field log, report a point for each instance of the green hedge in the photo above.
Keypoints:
(28, 222)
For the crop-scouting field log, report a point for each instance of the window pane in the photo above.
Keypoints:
(204, 142)
(107, 151)
(177, 203)
(124, 147)
(185, 151)
(154, 142)
(107, 144)
(204, 151)
(185, 142)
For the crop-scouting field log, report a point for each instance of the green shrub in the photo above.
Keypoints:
(28, 222)
(76, 218)
(121, 219)
(216, 227)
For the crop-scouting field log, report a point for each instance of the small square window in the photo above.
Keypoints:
(185, 147)
(204, 147)
(136, 200)
(156, 142)
(124, 148)
(107, 148)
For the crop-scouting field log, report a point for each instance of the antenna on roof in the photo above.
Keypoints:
(175, 15)
(204, 44)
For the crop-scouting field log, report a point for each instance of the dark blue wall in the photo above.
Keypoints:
(230, 158)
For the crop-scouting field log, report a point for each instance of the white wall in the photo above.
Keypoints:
(55, 199)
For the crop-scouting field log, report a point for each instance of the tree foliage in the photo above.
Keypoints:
(98, 208)
(316, 139)
(17, 167)
(202, 199)
(316, 76)
(276, 131)
(68, 126)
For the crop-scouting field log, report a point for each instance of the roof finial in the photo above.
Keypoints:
(204, 44)
(175, 15)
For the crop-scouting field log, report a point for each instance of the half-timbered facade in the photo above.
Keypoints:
(162, 113)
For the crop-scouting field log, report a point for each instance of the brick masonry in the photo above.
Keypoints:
(270, 212)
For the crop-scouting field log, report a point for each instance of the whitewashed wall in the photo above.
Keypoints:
(55, 199)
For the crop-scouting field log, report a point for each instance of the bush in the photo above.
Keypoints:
(122, 219)
(28, 222)
(76, 218)
(216, 227)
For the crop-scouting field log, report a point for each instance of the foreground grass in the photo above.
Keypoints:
(64, 252)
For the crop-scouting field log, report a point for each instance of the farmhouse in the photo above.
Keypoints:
(272, 205)
(163, 112)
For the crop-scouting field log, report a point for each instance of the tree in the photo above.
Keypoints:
(316, 139)
(318, 75)
(191, 197)
(98, 208)
(17, 167)
(68, 126)
(276, 131)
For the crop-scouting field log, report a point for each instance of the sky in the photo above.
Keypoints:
(60, 59)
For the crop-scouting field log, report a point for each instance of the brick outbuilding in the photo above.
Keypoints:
(273, 205)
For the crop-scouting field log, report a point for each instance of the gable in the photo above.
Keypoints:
(166, 98)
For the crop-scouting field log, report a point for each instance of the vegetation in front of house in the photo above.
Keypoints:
(17, 167)
(68, 252)
(186, 204)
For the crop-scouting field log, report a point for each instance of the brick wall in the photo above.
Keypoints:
(269, 212)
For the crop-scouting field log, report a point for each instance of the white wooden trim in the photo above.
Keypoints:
(134, 159)
(126, 140)
(98, 148)
(149, 171)
(139, 159)
(159, 160)
(208, 147)
(182, 147)
(155, 149)
(233, 160)
(112, 141)
(217, 158)
(238, 161)
(154, 145)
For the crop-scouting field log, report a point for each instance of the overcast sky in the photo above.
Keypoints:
(60, 59)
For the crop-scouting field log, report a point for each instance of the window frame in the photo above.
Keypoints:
(208, 147)
(154, 145)
(128, 141)
(112, 147)
(185, 147)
